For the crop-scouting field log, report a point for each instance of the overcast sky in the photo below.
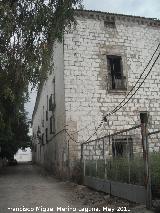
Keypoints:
(146, 8)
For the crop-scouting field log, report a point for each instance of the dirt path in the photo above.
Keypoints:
(27, 185)
(31, 187)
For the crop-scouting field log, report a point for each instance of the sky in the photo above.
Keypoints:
(145, 8)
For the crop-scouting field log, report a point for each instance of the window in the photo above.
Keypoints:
(117, 79)
(43, 139)
(47, 102)
(122, 147)
(109, 24)
(46, 115)
(42, 123)
(51, 102)
(40, 150)
(39, 133)
(47, 110)
(144, 117)
(52, 125)
(43, 118)
(46, 135)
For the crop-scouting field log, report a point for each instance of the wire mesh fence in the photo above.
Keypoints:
(117, 170)
(129, 156)
(116, 157)
(154, 156)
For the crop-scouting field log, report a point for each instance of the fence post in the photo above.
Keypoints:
(103, 150)
(147, 179)
(82, 162)
(105, 169)
(84, 168)
(68, 163)
(96, 167)
(129, 166)
(109, 169)
(81, 153)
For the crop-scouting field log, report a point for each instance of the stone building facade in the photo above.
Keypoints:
(96, 65)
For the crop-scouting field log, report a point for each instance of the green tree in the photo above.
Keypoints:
(28, 29)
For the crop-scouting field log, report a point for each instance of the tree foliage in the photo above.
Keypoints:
(15, 138)
(28, 29)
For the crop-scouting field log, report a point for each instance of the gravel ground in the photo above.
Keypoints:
(29, 186)
(96, 199)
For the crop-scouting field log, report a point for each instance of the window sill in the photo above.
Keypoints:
(114, 91)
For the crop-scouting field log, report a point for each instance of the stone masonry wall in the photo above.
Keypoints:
(102, 148)
(82, 88)
(86, 76)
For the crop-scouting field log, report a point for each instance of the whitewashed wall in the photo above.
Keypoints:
(50, 154)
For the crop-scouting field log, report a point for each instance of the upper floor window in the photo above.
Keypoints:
(46, 115)
(52, 103)
(52, 98)
(109, 24)
(117, 78)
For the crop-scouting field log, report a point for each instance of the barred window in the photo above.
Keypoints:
(122, 147)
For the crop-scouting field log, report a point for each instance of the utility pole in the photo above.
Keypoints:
(147, 178)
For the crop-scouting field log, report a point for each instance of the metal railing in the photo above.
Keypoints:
(117, 156)
(126, 156)
(154, 156)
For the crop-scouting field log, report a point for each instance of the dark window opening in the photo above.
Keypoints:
(46, 115)
(43, 118)
(51, 102)
(39, 133)
(144, 117)
(118, 80)
(43, 139)
(46, 135)
(109, 24)
(47, 102)
(42, 123)
(122, 147)
(52, 125)
(40, 150)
